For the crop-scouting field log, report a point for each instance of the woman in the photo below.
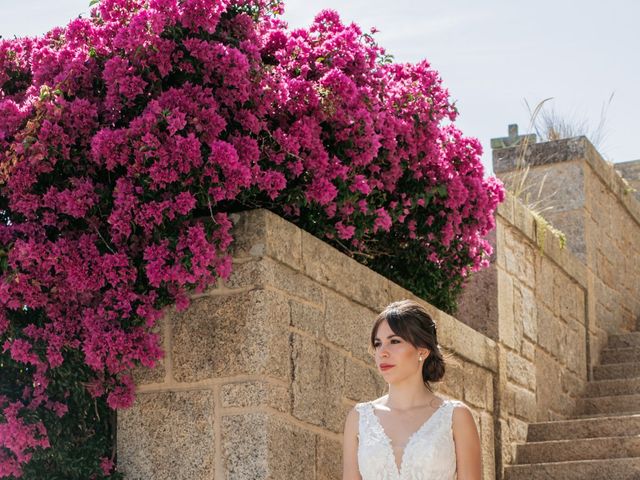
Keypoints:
(410, 433)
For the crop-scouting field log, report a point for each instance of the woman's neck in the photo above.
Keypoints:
(407, 397)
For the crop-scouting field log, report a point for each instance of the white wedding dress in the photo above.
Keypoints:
(428, 455)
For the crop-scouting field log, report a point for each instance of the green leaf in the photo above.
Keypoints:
(441, 190)
(93, 2)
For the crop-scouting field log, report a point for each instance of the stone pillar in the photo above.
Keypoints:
(569, 184)
(549, 178)
(478, 302)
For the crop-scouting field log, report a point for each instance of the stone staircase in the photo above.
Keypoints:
(602, 441)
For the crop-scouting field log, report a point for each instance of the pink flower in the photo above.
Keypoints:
(322, 191)
(176, 121)
(20, 351)
(106, 464)
(122, 395)
(272, 182)
(345, 231)
(360, 184)
(382, 221)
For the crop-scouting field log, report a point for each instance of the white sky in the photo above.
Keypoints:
(492, 55)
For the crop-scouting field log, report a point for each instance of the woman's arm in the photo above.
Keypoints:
(350, 469)
(467, 441)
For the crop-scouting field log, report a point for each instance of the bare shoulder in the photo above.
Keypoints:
(462, 418)
(461, 410)
(459, 406)
(353, 413)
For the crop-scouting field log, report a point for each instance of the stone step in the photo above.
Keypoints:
(608, 404)
(609, 426)
(620, 355)
(578, 449)
(623, 340)
(616, 370)
(624, 386)
(611, 469)
(608, 414)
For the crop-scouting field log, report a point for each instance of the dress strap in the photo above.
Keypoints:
(368, 426)
(363, 417)
(454, 403)
(362, 409)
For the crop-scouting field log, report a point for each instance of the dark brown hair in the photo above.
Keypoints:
(412, 323)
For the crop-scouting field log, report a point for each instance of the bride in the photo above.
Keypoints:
(410, 433)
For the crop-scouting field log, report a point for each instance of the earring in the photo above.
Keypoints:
(420, 358)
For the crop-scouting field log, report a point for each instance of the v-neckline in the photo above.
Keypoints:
(400, 469)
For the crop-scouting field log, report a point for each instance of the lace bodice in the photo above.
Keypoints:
(428, 455)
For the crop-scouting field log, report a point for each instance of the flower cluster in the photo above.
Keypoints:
(127, 137)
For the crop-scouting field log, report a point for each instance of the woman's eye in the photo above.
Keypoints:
(376, 345)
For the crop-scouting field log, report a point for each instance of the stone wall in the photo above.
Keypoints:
(260, 372)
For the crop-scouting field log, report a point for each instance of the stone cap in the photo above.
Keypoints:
(629, 170)
(578, 149)
(565, 150)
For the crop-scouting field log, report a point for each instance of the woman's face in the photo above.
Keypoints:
(390, 349)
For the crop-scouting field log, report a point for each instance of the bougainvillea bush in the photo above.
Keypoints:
(127, 138)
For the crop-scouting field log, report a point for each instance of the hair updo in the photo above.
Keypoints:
(412, 323)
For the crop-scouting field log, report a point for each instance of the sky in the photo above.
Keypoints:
(494, 57)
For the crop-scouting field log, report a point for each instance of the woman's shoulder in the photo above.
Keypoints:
(457, 409)
(461, 415)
